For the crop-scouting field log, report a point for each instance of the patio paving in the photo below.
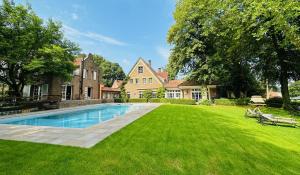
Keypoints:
(79, 137)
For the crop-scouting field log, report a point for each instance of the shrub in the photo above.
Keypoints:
(224, 101)
(238, 101)
(155, 100)
(161, 92)
(118, 100)
(205, 102)
(137, 100)
(147, 94)
(275, 102)
(242, 101)
(182, 101)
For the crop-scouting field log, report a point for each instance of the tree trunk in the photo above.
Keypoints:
(284, 83)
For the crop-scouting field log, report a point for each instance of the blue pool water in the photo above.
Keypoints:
(75, 119)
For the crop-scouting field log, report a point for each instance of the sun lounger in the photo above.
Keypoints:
(269, 118)
(256, 113)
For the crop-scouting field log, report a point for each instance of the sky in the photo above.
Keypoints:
(120, 30)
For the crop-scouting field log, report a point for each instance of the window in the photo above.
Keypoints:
(150, 80)
(76, 72)
(140, 94)
(173, 94)
(136, 81)
(140, 69)
(154, 94)
(128, 94)
(84, 73)
(196, 94)
(95, 75)
(144, 80)
(131, 81)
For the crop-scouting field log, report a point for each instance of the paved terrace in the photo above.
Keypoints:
(83, 137)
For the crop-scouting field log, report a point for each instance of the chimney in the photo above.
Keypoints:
(149, 61)
(159, 69)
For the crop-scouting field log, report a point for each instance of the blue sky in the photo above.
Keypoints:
(120, 30)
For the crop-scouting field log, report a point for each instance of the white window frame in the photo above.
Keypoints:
(173, 94)
(141, 94)
(144, 80)
(150, 80)
(140, 69)
(136, 81)
(196, 94)
(95, 75)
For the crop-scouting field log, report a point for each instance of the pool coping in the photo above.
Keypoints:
(78, 137)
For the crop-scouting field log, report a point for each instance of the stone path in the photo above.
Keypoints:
(86, 137)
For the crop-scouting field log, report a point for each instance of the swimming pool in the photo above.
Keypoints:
(78, 118)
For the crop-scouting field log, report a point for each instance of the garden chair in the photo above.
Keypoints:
(257, 101)
(269, 118)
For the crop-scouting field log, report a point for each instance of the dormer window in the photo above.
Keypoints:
(140, 69)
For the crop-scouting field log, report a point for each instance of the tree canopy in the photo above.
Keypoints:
(294, 89)
(109, 71)
(236, 43)
(31, 49)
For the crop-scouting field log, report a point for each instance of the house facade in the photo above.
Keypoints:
(111, 92)
(83, 85)
(143, 77)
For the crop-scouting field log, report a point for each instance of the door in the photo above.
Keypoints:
(69, 93)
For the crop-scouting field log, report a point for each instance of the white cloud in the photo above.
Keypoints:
(163, 52)
(71, 32)
(75, 16)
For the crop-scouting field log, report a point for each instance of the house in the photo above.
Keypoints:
(110, 92)
(143, 77)
(83, 85)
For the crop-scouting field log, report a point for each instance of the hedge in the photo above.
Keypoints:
(181, 101)
(205, 102)
(232, 102)
(137, 100)
(275, 102)
(155, 100)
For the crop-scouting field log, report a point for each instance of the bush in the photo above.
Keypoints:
(155, 100)
(232, 102)
(242, 101)
(275, 102)
(118, 100)
(182, 101)
(137, 100)
(224, 101)
(205, 102)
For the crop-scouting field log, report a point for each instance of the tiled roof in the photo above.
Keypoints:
(109, 89)
(78, 61)
(117, 84)
(173, 83)
(163, 75)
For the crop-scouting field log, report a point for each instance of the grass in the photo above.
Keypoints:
(173, 139)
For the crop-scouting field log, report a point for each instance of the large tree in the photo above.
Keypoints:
(235, 41)
(109, 71)
(31, 50)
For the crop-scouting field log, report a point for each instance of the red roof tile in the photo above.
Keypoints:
(173, 83)
(163, 75)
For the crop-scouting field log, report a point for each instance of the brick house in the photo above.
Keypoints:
(143, 77)
(83, 85)
(110, 92)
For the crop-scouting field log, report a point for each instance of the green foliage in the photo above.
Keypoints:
(236, 42)
(147, 94)
(274, 102)
(155, 100)
(137, 100)
(205, 102)
(161, 92)
(232, 102)
(294, 89)
(109, 71)
(31, 49)
(123, 91)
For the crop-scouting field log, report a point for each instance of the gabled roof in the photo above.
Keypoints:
(150, 68)
(164, 75)
(117, 84)
(173, 83)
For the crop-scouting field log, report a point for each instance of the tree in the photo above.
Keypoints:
(110, 71)
(31, 49)
(147, 94)
(237, 42)
(161, 92)
(295, 89)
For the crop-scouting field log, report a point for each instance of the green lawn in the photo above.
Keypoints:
(173, 139)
